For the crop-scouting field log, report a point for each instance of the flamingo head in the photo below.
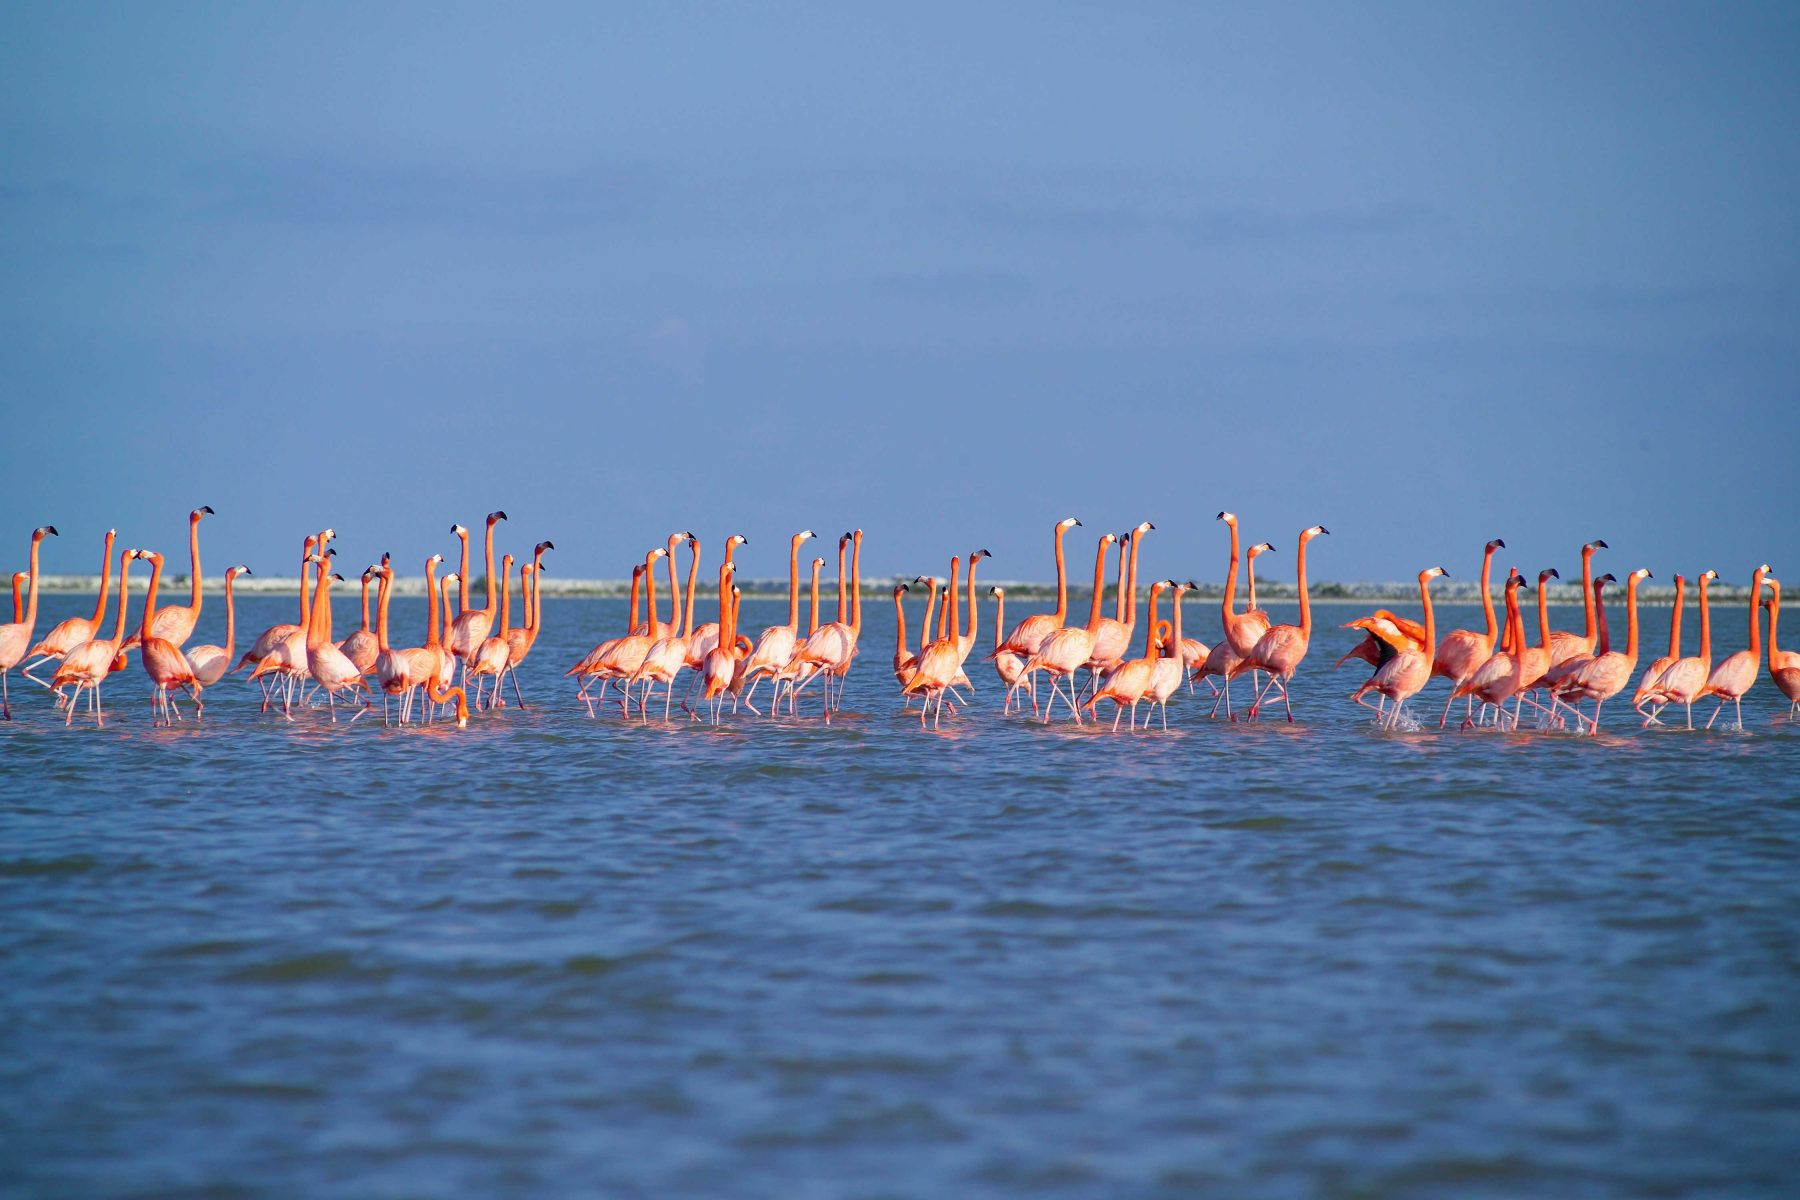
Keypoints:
(1596, 544)
(1706, 576)
(1261, 548)
(997, 592)
(496, 515)
(369, 572)
(659, 552)
(460, 531)
(1230, 518)
(1143, 528)
(436, 558)
(203, 510)
(1642, 573)
(543, 546)
(900, 589)
(975, 554)
(1067, 523)
(327, 536)
(737, 539)
(818, 563)
(1433, 573)
(1316, 530)
(1496, 544)
(1109, 538)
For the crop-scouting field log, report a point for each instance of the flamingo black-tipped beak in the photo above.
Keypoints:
(51, 530)
(1555, 574)
(1600, 543)
(1151, 524)
(1077, 520)
(331, 553)
(208, 510)
(1326, 531)
(337, 577)
(499, 515)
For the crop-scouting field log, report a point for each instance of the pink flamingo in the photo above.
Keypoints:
(1067, 650)
(706, 635)
(16, 637)
(1784, 665)
(285, 666)
(18, 582)
(1463, 651)
(1607, 674)
(1647, 681)
(274, 635)
(210, 662)
(489, 659)
(1737, 674)
(163, 661)
(361, 646)
(1030, 633)
(776, 645)
(668, 655)
(1171, 667)
(588, 668)
(1402, 676)
(175, 622)
(1279, 652)
(1008, 665)
(88, 665)
(1242, 630)
(1680, 682)
(1131, 681)
(719, 667)
(1534, 661)
(330, 667)
(940, 662)
(1114, 636)
(1564, 646)
(1496, 681)
(829, 652)
(627, 653)
(472, 624)
(64, 636)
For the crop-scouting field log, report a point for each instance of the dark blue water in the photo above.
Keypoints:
(549, 955)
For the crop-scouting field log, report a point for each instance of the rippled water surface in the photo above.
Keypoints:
(550, 955)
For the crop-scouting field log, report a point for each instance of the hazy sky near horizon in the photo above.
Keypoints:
(1425, 273)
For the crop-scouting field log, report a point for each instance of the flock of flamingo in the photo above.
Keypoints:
(466, 651)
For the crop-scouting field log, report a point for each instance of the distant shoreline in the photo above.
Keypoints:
(1325, 592)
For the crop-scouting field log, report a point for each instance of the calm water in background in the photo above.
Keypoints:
(549, 955)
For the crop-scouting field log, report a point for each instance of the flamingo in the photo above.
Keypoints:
(719, 667)
(18, 582)
(1497, 680)
(16, 637)
(175, 622)
(472, 624)
(1647, 681)
(1114, 636)
(520, 641)
(776, 645)
(285, 665)
(967, 639)
(1577, 654)
(1171, 667)
(1463, 651)
(789, 672)
(1564, 646)
(830, 651)
(588, 668)
(330, 667)
(669, 654)
(1680, 682)
(361, 646)
(1067, 649)
(88, 665)
(1784, 665)
(66, 635)
(1242, 630)
(1131, 681)
(1737, 674)
(1008, 665)
(1402, 676)
(1030, 633)
(167, 667)
(210, 662)
(1535, 660)
(274, 635)
(1606, 675)
(940, 662)
(626, 655)
(489, 659)
(1278, 653)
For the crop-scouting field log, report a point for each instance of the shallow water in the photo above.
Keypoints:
(549, 954)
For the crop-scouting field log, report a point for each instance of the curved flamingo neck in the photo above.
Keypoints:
(900, 626)
(1487, 595)
(149, 600)
(687, 614)
(1543, 615)
(1119, 582)
(1631, 617)
(365, 604)
(1130, 617)
(1588, 595)
(1515, 621)
(1175, 646)
(445, 585)
(1306, 604)
(793, 621)
(1675, 618)
(125, 595)
(1705, 623)
(505, 603)
(19, 578)
(1093, 622)
(194, 560)
(37, 539)
(970, 617)
(812, 620)
(230, 615)
(637, 583)
(488, 568)
(1231, 573)
(1000, 620)
(930, 608)
(105, 570)
(321, 614)
(1062, 577)
(1774, 616)
(462, 573)
(1605, 639)
(656, 627)
(843, 609)
(431, 618)
(949, 613)
(856, 584)
(1430, 619)
(1755, 612)
(381, 611)
(1150, 625)
(305, 604)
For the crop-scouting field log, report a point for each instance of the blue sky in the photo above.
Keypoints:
(1425, 273)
